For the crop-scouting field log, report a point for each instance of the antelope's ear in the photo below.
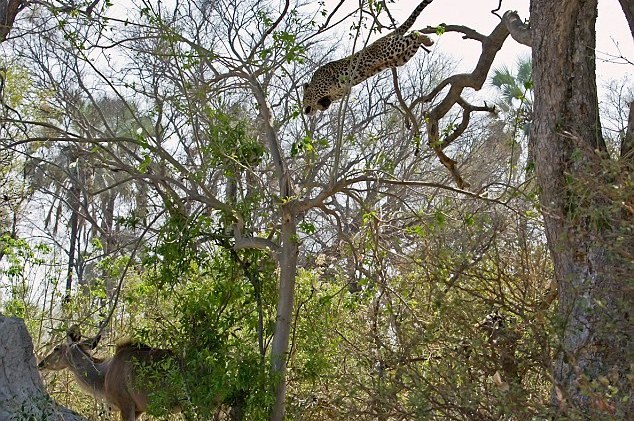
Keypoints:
(73, 334)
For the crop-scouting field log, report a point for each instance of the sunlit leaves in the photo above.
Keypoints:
(220, 308)
(230, 142)
(307, 227)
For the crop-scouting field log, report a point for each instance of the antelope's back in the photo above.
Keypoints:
(137, 370)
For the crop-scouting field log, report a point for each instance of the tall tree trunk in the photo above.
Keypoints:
(286, 291)
(107, 227)
(288, 251)
(73, 201)
(581, 225)
(627, 143)
(72, 246)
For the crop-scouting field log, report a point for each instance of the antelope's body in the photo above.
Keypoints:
(115, 379)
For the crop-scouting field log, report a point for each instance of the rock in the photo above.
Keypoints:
(22, 394)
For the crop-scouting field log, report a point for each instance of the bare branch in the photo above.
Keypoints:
(366, 176)
(466, 117)
(520, 32)
(491, 44)
(468, 32)
(497, 9)
(269, 31)
(410, 118)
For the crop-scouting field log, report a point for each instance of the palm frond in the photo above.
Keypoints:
(524, 70)
(502, 77)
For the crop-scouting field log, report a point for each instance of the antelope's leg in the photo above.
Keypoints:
(129, 413)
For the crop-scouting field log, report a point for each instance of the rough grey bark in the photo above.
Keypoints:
(519, 32)
(22, 395)
(582, 224)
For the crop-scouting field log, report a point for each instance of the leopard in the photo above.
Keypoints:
(334, 80)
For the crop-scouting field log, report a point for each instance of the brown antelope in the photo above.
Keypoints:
(113, 379)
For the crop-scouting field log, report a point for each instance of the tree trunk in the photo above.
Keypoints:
(582, 226)
(286, 291)
(22, 395)
(289, 248)
(74, 204)
(109, 244)
(627, 143)
(74, 233)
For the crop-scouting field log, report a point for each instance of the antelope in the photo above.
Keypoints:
(113, 379)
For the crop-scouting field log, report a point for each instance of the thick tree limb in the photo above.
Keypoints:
(468, 32)
(9, 9)
(520, 32)
(246, 242)
(628, 10)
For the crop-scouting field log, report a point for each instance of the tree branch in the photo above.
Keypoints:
(242, 242)
(520, 32)
(468, 32)
(409, 115)
(9, 9)
(269, 31)
(366, 176)
(491, 44)
(628, 10)
(466, 117)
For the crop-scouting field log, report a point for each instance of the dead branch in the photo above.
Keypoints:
(520, 32)
(491, 44)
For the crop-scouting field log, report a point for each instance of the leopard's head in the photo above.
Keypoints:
(315, 98)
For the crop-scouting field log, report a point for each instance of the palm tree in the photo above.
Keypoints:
(73, 176)
(516, 104)
(516, 100)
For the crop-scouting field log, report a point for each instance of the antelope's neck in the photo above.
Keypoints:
(90, 373)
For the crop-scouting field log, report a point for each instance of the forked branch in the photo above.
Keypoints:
(491, 44)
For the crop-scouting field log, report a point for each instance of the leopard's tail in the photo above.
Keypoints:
(401, 30)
